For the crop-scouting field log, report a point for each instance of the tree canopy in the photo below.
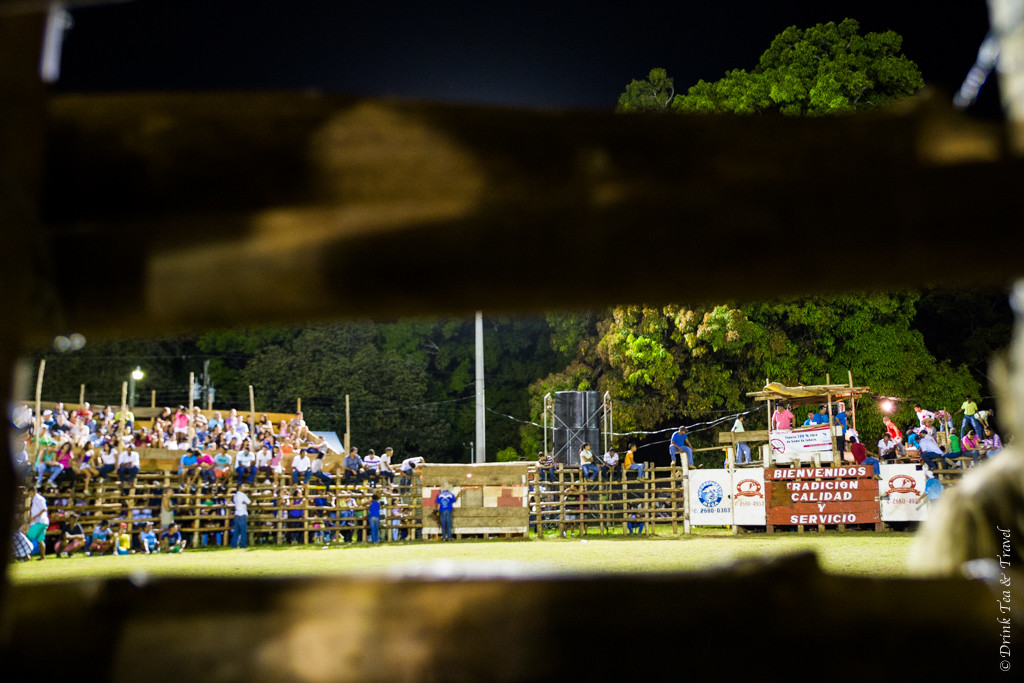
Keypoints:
(825, 69)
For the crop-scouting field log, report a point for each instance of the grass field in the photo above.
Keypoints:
(851, 553)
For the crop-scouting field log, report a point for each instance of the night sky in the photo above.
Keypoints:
(532, 54)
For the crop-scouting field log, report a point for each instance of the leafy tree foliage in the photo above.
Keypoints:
(654, 94)
(825, 69)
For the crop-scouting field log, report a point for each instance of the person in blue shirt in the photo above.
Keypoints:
(147, 539)
(821, 417)
(679, 444)
(840, 419)
(445, 506)
(373, 515)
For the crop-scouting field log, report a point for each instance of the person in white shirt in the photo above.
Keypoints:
(240, 537)
(611, 463)
(245, 465)
(301, 468)
(128, 466)
(742, 447)
(371, 463)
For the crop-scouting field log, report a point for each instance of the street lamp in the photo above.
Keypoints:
(137, 375)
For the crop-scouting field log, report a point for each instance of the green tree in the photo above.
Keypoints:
(654, 94)
(826, 69)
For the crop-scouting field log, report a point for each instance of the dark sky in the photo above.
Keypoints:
(535, 54)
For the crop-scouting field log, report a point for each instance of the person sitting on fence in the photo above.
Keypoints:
(386, 469)
(222, 467)
(128, 465)
(102, 542)
(352, 467)
(589, 470)
(931, 453)
(171, 540)
(72, 536)
(680, 444)
(318, 468)
(408, 469)
(545, 467)
(861, 457)
(188, 469)
(371, 465)
(245, 465)
(742, 448)
(46, 464)
(610, 466)
(301, 465)
(629, 464)
(205, 462)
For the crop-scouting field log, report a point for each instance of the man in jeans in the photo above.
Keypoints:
(241, 525)
(445, 505)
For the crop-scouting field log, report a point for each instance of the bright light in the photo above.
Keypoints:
(137, 373)
(886, 406)
(469, 476)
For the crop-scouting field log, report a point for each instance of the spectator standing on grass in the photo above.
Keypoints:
(445, 510)
(373, 516)
(241, 501)
(38, 521)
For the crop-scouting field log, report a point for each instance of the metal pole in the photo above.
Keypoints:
(481, 432)
(39, 394)
(348, 426)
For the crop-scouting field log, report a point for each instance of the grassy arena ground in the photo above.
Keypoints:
(851, 553)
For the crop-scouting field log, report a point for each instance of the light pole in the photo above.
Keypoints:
(137, 375)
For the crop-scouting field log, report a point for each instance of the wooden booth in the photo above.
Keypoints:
(492, 498)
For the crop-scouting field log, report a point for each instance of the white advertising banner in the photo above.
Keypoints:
(748, 496)
(805, 444)
(899, 490)
(709, 498)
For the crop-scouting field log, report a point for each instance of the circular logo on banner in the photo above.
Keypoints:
(778, 445)
(710, 494)
(749, 487)
(902, 483)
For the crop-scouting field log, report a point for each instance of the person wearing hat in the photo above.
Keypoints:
(123, 543)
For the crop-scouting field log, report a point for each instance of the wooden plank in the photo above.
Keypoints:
(751, 435)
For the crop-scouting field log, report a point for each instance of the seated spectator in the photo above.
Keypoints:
(245, 465)
(386, 469)
(171, 540)
(992, 444)
(912, 439)
(971, 446)
(123, 542)
(205, 462)
(188, 469)
(545, 467)
(22, 464)
(128, 467)
(66, 459)
(46, 464)
(371, 465)
(630, 465)
(80, 433)
(352, 467)
(861, 457)
(318, 468)
(102, 541)
(930, 451)
(589, 470)
(888, 449)
(72, 536)
(86, 466)
(148, 542)
(301, 468)
(107, 462)
(610, 466)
